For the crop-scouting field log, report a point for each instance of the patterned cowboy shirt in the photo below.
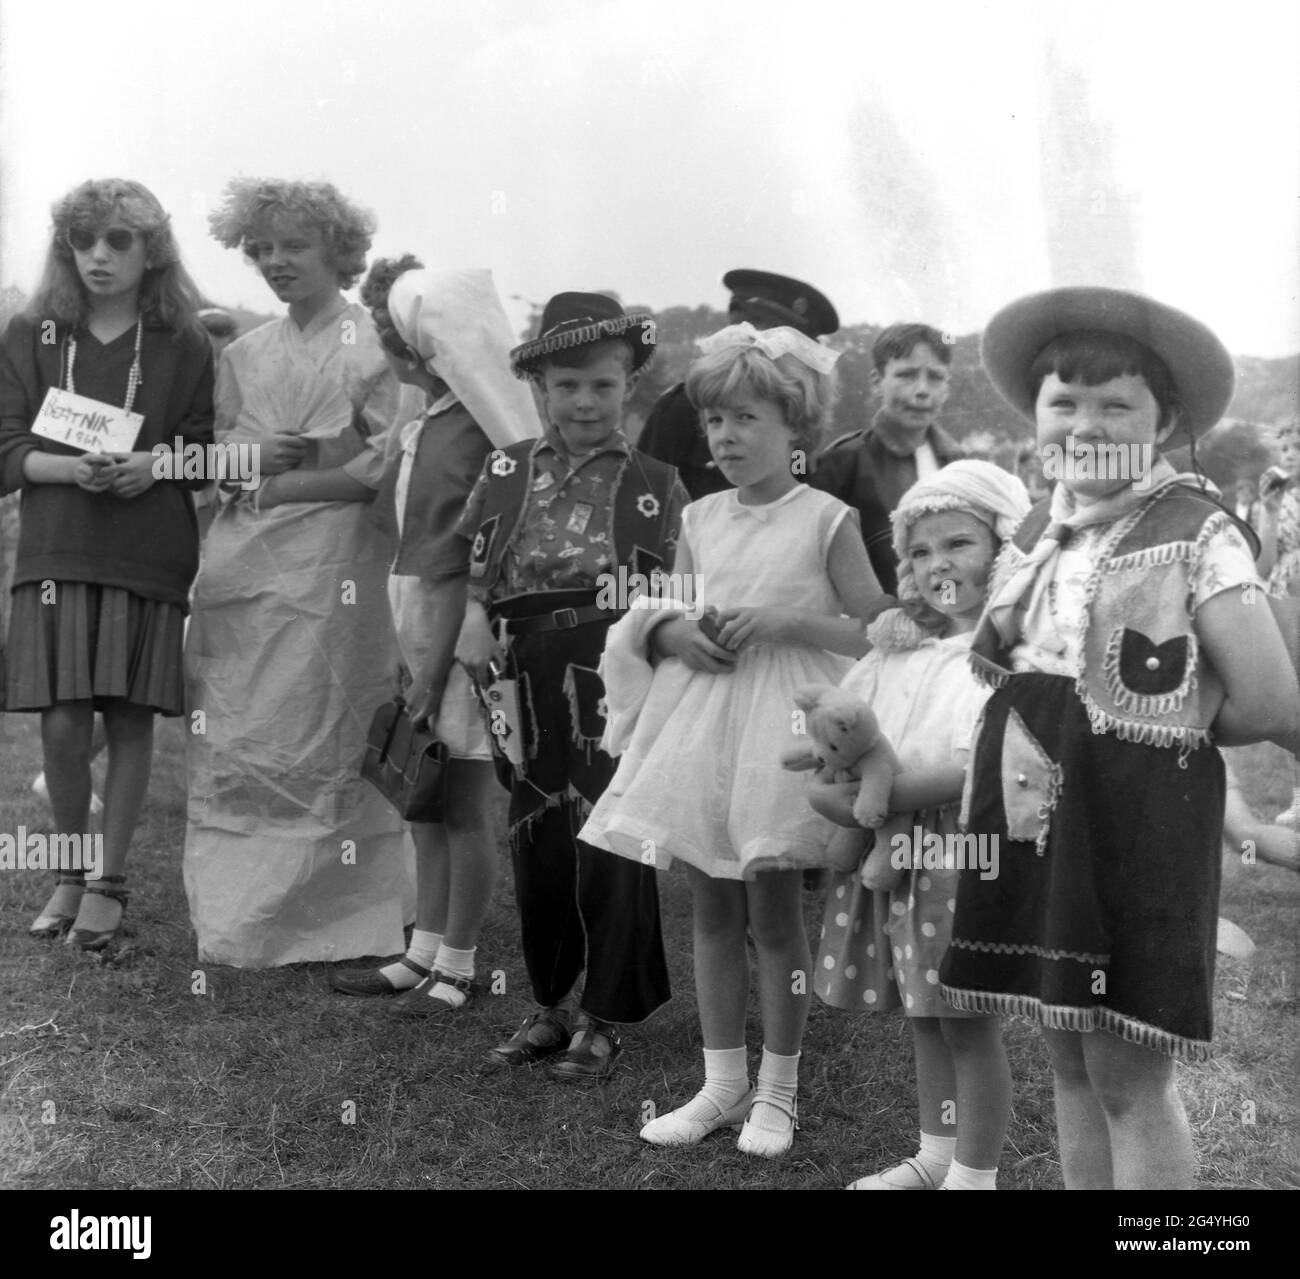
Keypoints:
(565, 537)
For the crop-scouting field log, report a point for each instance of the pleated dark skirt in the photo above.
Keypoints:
(78, 641)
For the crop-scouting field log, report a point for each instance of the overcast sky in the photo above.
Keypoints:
(926, 161)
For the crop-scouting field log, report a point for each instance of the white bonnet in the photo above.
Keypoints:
(986, 491)
(990, 494)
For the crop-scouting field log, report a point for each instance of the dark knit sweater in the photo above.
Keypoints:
(147, 544)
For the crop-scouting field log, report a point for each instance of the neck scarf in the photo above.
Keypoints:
(1019, 594)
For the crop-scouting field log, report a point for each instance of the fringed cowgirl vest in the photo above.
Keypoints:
(1141, 676)
(642, 511)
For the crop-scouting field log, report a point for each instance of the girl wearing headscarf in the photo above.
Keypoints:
(445, 334)
(881, 951)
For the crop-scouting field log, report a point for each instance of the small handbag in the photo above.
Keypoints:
(405, 764)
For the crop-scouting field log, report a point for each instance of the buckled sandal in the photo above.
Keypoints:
(520, 1050)
(420, 1001)
(52, 923)
(88, 938)
(581, 1064)
(371, 981)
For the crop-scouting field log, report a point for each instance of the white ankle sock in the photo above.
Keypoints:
(726, 1082)
(455, 963)
(962, 1178)
(775, 1091)
(458, 963)
(935, 1154)
(422, 950)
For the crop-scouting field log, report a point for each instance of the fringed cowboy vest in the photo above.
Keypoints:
(1141, 676)
(641, 512)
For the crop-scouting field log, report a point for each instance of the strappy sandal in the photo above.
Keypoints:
(49, 923)
(87, 939)
(420, 1001)
(371, 981)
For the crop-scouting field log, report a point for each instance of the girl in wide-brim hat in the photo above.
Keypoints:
(1125, 637)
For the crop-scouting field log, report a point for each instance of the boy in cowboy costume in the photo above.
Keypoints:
(547, 521)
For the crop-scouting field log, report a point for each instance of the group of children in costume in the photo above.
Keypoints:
(1054, 679)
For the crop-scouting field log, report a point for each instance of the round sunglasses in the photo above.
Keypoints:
(118, 239)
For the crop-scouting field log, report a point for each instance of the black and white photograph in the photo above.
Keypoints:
(697, 596)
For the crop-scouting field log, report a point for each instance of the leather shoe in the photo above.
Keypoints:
(371, 981)
(520, 1050)
(581, 1064)
(420, 1001)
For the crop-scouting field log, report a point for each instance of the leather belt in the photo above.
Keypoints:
(561, 619)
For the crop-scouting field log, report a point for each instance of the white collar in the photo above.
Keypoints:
(764, 510)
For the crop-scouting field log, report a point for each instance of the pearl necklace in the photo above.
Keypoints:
(133, 379)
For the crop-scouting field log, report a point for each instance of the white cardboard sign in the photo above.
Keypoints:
(86, 424)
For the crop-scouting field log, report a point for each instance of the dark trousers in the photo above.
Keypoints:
(579, 906)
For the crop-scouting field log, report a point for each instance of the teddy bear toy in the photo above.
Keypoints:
(846, 744)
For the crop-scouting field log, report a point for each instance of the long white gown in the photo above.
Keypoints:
(289, 855)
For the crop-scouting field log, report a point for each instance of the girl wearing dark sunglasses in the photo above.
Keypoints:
(106, 553)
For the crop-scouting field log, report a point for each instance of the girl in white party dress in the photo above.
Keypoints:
(701, 779)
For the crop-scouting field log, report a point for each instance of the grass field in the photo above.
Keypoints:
(116, 1075)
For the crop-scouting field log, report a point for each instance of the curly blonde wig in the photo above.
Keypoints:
(250, 205)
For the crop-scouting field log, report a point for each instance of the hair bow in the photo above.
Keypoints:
(773, 343)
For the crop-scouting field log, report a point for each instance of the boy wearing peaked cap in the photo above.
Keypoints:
(672, 430)
(548, 520)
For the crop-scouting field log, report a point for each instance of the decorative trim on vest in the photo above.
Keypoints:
(586, 694)
(1146, 705)
(480, 550)
(638, 518)
(1123, 674)
(1152, 557)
